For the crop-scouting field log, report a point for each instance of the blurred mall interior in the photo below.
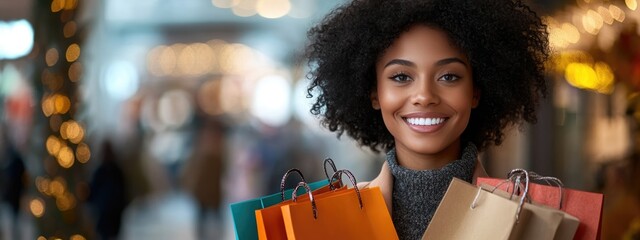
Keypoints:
(145, 119)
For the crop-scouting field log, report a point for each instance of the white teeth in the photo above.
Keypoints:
(425, 121)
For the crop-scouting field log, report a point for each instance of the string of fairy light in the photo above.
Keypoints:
(594, 22)
(65, 144)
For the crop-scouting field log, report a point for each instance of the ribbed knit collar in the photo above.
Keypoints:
(417, 193)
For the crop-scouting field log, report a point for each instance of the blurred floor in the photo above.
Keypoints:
(167, 216)
(8, 230)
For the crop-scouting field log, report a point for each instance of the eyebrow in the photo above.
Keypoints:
(441, 62)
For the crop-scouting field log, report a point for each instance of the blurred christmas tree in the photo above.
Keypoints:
(58, 143)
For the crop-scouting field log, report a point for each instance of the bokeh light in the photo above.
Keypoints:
(16, 39)
(73, 52)
(175, 108)
(37, 207)
(121, 80)
(65, 157)
(273, 8)
(272, 100)
(51, 57)
(83, 153)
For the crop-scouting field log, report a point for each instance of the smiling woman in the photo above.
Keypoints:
(432, 83)
(425, 93)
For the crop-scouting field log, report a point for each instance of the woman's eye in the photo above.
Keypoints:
(449, 77)
(401, 77)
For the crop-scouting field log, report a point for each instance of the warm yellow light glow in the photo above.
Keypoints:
(186, 60)
(570, 32)
(37, 207)
(76, 133)
(73, 52)
(42, 238)
(236, 58)
(70, 4)
(592, 22)
(63, 130)
(65, 157)
(83, 153)
(167, 60)
(53, 145)
(69, 29)
(605, 14)
(273, 8)
(66, 202)
(217, 47)
(631, 4)
(605, 78)
(616, 13)
(57, 187)
(204, 58)
(225, 3)
(48, 106)
(77, 237)
(75, 71)
(71, 129)
(57, 5)
(560, 61)
(556, 41)
(42, 184)
(581, 75)
(51, 57)
(61, 103)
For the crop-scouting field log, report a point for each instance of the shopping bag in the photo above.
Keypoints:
(350, 214)
(545, 222)
(243, 212)
(583, 205)
(470, 212)
(270, 222)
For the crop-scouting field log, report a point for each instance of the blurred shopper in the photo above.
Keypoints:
(14, 180)
(201, 175)
(108, 194)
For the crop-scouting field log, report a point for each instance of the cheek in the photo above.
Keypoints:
(389, 101)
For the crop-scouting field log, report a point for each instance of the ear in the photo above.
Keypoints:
(476, 98)
(375, 103)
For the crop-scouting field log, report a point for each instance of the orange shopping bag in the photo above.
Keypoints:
(350, 214)
(269, 220)
(586, 206)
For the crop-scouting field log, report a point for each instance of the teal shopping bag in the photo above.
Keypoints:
(243, 213)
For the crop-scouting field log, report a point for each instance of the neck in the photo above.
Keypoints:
(428, 161)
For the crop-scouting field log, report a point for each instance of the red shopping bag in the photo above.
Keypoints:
(586, 206)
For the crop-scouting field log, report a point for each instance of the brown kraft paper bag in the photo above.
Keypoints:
(469, 212)
(545, 222)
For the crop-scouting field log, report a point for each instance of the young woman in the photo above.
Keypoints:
(431, 83)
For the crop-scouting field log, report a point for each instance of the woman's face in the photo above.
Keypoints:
(425, 93)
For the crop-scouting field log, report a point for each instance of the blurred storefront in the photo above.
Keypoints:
(194, 104)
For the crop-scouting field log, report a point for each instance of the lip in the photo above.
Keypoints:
(426, 128)
(425, 115)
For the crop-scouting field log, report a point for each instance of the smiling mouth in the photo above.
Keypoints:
(425, 121)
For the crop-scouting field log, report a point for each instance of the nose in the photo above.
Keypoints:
(425, 94)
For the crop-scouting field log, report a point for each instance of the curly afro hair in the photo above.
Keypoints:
(505, 41)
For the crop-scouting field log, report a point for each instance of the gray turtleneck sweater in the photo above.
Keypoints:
(417, 194)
